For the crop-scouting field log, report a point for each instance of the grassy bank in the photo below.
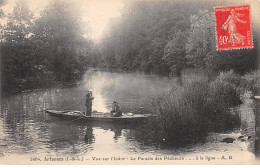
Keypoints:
(198, 105)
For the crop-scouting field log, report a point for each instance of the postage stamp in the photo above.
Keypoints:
(233, 27)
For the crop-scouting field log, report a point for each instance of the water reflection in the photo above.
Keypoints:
(89, 137)
(118, 133)
(130, 90)
(26, 129)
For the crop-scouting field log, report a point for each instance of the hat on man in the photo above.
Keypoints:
(89, 90)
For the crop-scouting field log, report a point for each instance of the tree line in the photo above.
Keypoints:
(166, 37)
(162, 37)
(44, 51)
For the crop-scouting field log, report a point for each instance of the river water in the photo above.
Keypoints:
(28, 133)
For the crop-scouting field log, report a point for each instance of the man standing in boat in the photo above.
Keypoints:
(88, 103)
(116, 110)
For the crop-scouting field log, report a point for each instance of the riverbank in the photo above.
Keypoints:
(199, 104)
(27, 130)
(48, 82)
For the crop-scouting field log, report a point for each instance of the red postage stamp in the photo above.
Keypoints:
(233, 27)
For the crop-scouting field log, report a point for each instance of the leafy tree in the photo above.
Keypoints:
(137, 40)
(47, 51)
(17, 64)
(60, 41)
(2, 3)
(201, 48)
(19, 24)
(167, 37)
(174, 53)
(201, 39)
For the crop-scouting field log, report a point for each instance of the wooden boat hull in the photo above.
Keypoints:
(99, 117)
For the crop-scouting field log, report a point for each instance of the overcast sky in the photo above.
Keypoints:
(96, 12)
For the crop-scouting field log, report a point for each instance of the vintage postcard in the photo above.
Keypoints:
(130, 82)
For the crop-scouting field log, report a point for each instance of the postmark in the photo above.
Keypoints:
(233, 27)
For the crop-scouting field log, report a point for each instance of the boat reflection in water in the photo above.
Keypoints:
(26, 129)
(89, 137)
(118, 133)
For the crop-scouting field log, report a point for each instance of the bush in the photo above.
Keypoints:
(251, 82)
(196, 107)
(229, 77)
(189, 76)
(222, 96)
(224, 90)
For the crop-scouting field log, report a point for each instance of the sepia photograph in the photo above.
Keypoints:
(129, 82)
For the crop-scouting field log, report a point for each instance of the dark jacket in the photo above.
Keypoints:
(89, 99)
(116, 110)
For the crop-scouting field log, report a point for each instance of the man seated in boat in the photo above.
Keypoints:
(88, 103)
(116, 110)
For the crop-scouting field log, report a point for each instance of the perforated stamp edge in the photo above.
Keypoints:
(250, 18)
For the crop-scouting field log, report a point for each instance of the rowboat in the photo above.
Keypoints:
(99, 116)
